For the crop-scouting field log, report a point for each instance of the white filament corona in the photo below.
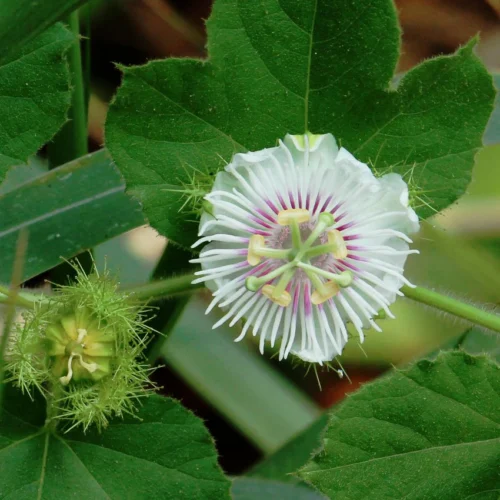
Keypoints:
(302, 240)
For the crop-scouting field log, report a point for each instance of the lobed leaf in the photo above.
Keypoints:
(34, 95)
(288, 66)
(432, 431)
(164, 453)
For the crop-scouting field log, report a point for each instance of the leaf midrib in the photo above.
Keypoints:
(309, 64)
(390, 457)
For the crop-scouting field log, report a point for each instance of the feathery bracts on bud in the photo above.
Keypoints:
(303, 239)
(82, 348)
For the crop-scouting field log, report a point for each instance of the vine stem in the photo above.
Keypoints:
(12, 296)
(453, 306)
(182, 284)
(71, 141)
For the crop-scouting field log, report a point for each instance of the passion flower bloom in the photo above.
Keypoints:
(304, 239)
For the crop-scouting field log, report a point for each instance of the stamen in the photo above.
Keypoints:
(90, 367)
(257, 250)
(253, 283)
(82, 333)
(297, 215)
(256, 242)
(283, 299)
(330, 289)
(337, 242)
(343, 279)
(66, 379)
(283, 283)
(325, 220)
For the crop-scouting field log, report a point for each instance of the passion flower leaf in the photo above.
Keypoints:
(432, 431)
(165, 453)
(23, 20)
(284, 67)
(34, 95)
(65, 212)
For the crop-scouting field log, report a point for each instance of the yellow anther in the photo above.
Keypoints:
(257, 242)
(335, 239)
(82, 333)
(329, 290)
(299, 215)
(283, 300)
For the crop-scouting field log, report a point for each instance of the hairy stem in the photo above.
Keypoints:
(453, 306)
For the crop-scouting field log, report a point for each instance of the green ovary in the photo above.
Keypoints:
(80, 348)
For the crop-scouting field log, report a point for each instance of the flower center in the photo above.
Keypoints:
(74, 349)
(303, 249)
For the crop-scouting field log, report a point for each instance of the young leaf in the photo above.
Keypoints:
(432, 431)
(284, 67)
(34, 95)
(65, 212)
(165, 453)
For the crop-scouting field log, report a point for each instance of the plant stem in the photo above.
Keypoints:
(10, 316)
(163, 288)
(71, 141)
(453, 306)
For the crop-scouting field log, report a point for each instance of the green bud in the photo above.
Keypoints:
(84, 349)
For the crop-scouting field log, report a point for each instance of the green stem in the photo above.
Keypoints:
(453, 306)
(10, 314)
(163, 288)
(71, 141)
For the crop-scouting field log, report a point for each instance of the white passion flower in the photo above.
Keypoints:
(303, 239)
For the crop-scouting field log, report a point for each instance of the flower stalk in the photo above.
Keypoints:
(453, 306)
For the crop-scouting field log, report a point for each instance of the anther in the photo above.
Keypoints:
(284, 299)
(256, 243)
(293, 215)
(329, 290)
(337, 242)
(82, 333)
(90, 367)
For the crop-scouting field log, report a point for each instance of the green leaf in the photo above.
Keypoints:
(293, 455)
(259, 489)
(34, 95)
(432, 431)
(165, 453)
(23, 20)
(284, 67)
(65, 211)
